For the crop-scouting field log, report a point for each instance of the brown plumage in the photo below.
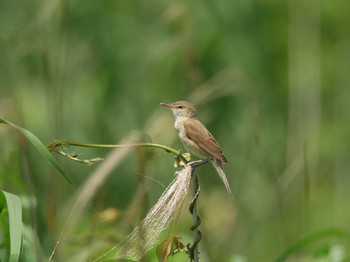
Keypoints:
(198, 133)
(196, 138)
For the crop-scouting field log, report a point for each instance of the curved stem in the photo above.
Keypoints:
(58, 143)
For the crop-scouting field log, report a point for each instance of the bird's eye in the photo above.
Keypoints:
(180, 107)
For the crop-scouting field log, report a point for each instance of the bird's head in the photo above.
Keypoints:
(181, 109)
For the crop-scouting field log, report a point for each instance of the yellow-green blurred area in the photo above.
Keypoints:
(270, 80)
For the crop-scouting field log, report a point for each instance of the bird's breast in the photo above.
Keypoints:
(179, 126)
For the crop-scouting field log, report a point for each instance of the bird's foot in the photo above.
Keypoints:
(199, 162)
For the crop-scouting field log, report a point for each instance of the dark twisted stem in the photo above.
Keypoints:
(197, 235)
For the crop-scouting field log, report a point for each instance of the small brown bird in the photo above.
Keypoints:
(196, 138)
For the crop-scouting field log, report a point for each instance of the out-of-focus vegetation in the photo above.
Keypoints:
(269, 78)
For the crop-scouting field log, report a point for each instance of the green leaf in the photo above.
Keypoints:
(42, 149)
(15, 224)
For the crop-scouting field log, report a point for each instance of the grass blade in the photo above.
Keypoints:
(42, 149)
(14, 208)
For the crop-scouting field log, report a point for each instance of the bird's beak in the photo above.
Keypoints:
(170, 105)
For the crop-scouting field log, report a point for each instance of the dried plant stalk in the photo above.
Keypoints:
(157, 220)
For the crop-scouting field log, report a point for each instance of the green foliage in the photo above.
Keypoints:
(318, 236)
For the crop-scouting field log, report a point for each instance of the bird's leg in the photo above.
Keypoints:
(199, 162)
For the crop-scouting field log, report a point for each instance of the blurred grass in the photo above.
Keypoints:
(270, 80)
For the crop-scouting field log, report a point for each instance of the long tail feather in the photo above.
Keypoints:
(220, 169)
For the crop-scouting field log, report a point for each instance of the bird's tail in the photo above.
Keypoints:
(220, 169)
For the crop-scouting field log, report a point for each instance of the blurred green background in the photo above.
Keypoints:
(269, 78)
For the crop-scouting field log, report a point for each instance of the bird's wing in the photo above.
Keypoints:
(197, 132)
